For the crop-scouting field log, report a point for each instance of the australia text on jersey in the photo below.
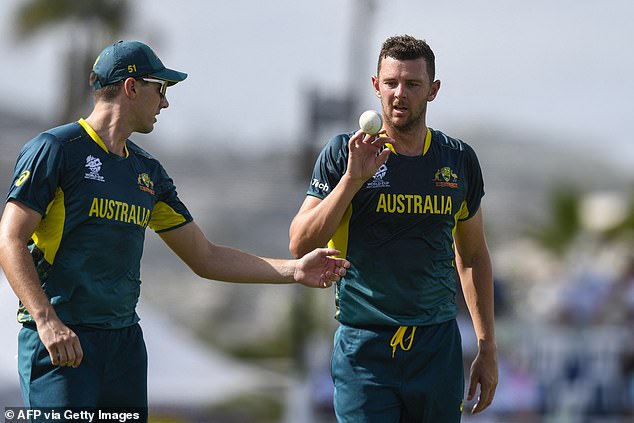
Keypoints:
(414, 204)
(105, 208)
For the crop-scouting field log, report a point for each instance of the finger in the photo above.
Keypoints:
(476, 407)
(343, 263)
(357, 136)
(485, 399)
(54, 357)
(375, 142)
(71, 355)
(325, 281)
(332, 276)
(383, 155)
(480, 405)
(380, 141)
(79, 353)
(369, 139)
(62, 355)
(331, 252)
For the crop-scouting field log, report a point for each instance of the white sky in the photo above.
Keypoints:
(537, 66)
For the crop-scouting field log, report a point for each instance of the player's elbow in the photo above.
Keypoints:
(300, 245)
(295, 248)
(304, 238)
(295, 243)
(8, 245)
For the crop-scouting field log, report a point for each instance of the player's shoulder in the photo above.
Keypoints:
(336, 148)
(65, 133)
(340, 141)
(140, 152)
(55, 138)
(445, 141)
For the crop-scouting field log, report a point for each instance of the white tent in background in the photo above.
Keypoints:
(9, 328)
(182, 371)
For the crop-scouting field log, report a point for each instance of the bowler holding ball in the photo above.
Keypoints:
(404, 209)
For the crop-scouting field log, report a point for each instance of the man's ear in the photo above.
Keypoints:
(435, 87)
(130, 87)
(375, 83)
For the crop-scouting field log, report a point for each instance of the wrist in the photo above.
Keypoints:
(294, 276)
(487, 346)
(44, 315)
(353, 182)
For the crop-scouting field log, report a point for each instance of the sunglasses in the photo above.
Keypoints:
(162, 82)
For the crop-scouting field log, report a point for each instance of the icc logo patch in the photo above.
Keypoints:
(378, 180)
(94, 167)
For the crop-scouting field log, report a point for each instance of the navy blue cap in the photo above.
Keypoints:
(131, 59)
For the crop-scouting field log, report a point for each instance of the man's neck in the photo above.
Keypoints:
(409, 143)
(107, 122)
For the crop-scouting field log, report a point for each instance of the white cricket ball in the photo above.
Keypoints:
(370, 122)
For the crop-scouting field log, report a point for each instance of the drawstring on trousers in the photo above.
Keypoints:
(399, 339)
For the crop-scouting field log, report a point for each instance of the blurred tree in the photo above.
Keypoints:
(92, 25)
(565, 221)
(625, 229)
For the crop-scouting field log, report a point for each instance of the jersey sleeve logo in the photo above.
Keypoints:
(94, 167)
(322, 186)
(23, 177)
(445, 177)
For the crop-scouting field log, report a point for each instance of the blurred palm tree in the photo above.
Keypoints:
(92, 24)
(565, 220)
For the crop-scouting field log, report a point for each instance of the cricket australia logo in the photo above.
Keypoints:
(145, 183)
(94, 166)
(378, 180)
(445, 177)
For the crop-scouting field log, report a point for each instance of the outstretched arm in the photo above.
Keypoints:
(16, 228)
(476, 276)
(317, 269)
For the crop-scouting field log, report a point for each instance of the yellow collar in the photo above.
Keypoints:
(425, 147)
(96, 138)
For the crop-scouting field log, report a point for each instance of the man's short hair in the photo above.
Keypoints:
(406, 47)
(107, 93)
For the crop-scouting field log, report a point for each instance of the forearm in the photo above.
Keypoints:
(313, 228)
(231, 265)
(477, 285)
(22, 276)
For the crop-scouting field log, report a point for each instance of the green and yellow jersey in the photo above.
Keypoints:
(95, 207)
(398, 230)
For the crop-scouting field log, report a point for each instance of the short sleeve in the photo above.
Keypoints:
(37, 173)
(169, 212)
(475, 182)
(329, 167)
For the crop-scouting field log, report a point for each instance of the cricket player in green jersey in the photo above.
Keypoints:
(71, 240)
(404, 208)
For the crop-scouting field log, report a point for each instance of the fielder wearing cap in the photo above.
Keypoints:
(72, 234)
